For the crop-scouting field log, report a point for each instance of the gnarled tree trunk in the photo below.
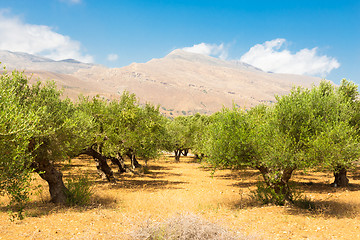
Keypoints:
(341, 179)
(199, 157)
(177, 153)
(134, 162)
(103, 168)
(49, 173)
(119, 161)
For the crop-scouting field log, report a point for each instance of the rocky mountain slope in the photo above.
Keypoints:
(182, 83)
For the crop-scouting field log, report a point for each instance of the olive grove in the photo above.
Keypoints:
(315, 128)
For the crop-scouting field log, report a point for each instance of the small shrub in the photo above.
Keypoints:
(183, 227)
(265, 195)
(18, 212)
(79, 191)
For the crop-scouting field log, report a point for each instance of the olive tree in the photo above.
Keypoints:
(338, 144)
(123, 128)
(63, 134)
(18, 124)
(47, 129)
(197, 125)
(304, 129)
(98, 109)
(179, 135)
(228, 140)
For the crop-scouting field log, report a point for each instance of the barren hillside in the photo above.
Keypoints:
(181, 82)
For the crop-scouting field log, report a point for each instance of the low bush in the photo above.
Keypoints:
(79, 191)
(183, 227)
(265, 195)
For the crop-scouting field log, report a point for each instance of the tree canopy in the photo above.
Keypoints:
(306, 128)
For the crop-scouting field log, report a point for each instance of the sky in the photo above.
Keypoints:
(310, 37)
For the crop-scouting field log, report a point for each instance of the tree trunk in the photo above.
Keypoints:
(185, 152)
(341, 179)
(119, 161)
(134, 162)
(49, 173)
(103, 168)
(177, 155)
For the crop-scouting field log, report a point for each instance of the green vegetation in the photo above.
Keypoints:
(17, 125)
(305, 129)
(37, 129)
(123, 128)
(79, 191)
(308, 128)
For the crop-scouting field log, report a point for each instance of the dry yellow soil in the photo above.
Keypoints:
(170, 188)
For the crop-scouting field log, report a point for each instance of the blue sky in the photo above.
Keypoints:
(313, 37)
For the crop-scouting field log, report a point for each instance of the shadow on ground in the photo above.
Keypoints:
(319, 208)
(328, 209)
(317, 187)
(240, 174)
(148, 185)
(44, 208)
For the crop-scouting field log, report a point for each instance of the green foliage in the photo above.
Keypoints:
(150, 133)
(63, 127)
(266, 194)
(229, 142)
(306, 128)
(337, 145)
(79, 191)
(198, 125)
(186, 132)
(124, 126)
(18, 123)
(35, 126)
(177, 134)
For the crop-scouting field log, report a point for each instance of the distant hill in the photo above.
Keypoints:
(25, 61)
(182, 83)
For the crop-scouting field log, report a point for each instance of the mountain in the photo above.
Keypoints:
(25, 61)
(182, 83)
(195, 83)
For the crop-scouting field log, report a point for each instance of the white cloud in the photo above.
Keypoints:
(112, 57)
(209, 49)
(38, 39)
(270, 56)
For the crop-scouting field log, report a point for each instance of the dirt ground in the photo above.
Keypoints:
(171, 188)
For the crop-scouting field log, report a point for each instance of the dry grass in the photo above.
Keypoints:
(170, 189)
(184, 227)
